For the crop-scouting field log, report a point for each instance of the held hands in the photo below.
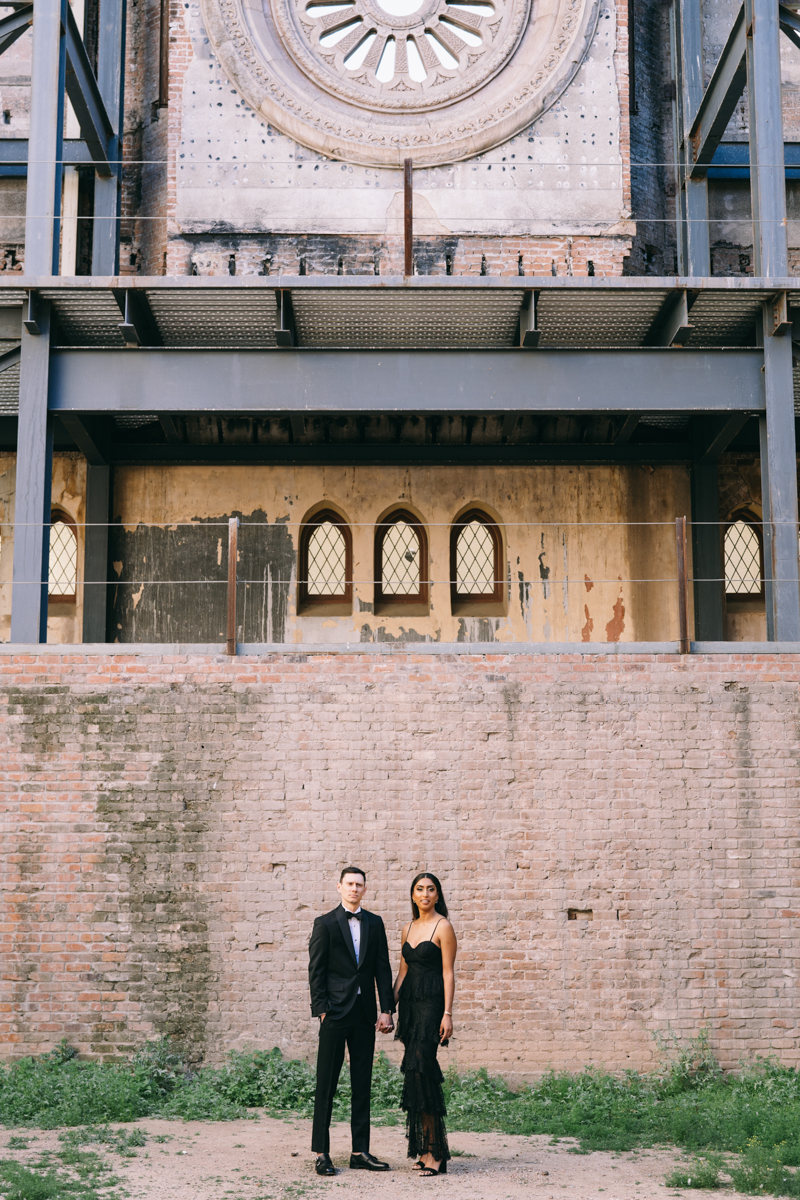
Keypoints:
(446, 1028)
(385, 1023)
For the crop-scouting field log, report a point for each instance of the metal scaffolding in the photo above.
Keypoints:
(715, 352)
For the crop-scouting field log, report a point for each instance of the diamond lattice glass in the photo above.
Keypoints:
(742, 560)
(475, 561)
(327, 561)
(400, 565)
(63, 559)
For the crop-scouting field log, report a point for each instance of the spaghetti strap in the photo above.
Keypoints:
(436, 926)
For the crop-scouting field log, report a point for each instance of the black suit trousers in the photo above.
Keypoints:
(357, 1032)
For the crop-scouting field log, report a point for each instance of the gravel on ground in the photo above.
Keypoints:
(268, 1159)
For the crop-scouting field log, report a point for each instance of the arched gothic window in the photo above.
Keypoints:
(401, 560)
(475, 559)
(744, 557)
(326, 560)
(63, 566)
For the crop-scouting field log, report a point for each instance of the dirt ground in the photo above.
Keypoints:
(268, 1159)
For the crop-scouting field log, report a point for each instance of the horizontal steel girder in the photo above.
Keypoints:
(580, 381)
(719, 101)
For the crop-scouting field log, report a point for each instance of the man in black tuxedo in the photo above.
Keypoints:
(348, 956)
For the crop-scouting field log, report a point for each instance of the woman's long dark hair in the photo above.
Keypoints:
(440, 905)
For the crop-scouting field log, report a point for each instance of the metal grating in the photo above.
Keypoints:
(725, 318)
(12, 298)
(423, 320)
(85, 318)
(135, 421)
(63, 571)
(400, 560)
(475, 561)
(327, 558)
(594, 318)
(9, 391)
(237, 320)
(742, 560)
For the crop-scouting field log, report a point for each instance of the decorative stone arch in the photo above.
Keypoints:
(529, 52)
(401, 515)
(476, 518)
(325, 539)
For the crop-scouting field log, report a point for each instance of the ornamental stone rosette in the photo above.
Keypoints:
(442, 82)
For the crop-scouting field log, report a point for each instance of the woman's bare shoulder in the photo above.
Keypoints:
(404, 934)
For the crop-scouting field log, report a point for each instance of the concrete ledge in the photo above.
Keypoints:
(260, 649)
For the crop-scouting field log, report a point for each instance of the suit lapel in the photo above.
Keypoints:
(345, 928)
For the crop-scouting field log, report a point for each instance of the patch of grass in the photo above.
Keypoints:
(87, 1178)
(688, 1102)
(701, 1173)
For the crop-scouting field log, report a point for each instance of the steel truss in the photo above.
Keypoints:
(92, 350)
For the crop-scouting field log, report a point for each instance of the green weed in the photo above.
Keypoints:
(700, 1173)
(764, 1170)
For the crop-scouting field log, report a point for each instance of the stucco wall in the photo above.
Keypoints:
(574, 569)
(172, 823)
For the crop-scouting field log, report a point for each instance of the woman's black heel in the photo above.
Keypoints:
(440, 1170)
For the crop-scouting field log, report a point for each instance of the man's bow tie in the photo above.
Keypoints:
(354, 916)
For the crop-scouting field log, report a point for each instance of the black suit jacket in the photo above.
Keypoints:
(333, 974)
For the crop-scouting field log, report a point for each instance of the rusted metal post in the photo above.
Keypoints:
(683, 585)
(233, 549)
(408, 217)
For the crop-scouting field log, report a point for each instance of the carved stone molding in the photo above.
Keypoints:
(357, 82)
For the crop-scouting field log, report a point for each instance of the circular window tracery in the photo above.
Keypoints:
(375, 81)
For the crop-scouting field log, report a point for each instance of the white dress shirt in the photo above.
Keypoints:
(355, 932)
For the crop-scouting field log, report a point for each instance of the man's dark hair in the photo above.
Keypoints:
(352, 871)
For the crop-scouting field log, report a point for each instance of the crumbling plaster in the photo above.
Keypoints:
(568, 578)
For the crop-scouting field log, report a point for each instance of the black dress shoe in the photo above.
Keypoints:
(324, 1166)
(367, 1162)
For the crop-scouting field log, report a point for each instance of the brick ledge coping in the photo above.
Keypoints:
(495, 649)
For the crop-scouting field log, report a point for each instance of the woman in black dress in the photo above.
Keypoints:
(424, 991)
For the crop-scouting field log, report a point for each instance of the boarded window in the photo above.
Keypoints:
(744, 559)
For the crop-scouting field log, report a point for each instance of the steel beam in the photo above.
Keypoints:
(698, 249)
(34, 479)
(84, 94)
(95, 553)
(719, 101)
(766, 518)
(43, 203)
(84, 438)
(303, 381)
(790, 24)
(781, 474)
(767, 177)
(715, 441)
(138, 326)
(672, 326)
(14, 25)
(403, 453)
(707, 566)
(110, 82)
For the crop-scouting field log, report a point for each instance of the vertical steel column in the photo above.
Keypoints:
(767, 174)
(45, 142)
(690, 44)
(34, 479)
(709, 587)
(781, 476)
(766, 518)
(677, 137)
(95, 552)
(111, 81)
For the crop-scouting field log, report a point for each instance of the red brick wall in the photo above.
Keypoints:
(171, 824)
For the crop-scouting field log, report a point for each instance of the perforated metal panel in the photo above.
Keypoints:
(12, 297)
(725, 318)
(423, 320)
(233, 319)
(85, 318)
(595, 318)
(9, 391)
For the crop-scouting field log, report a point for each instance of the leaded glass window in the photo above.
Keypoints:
(401, 551)
(63, 567)
(475, 559)
(326, 571)
(743, 559)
